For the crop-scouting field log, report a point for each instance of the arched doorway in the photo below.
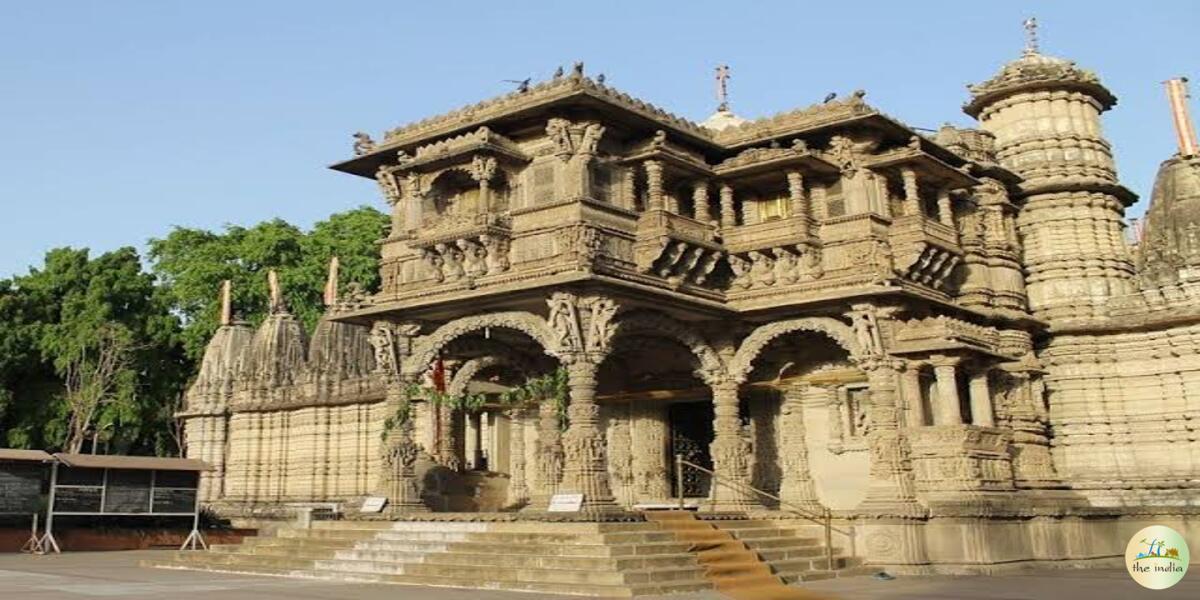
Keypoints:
(808, 407)
(656, 402)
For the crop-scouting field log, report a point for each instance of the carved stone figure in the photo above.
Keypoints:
(363, 144)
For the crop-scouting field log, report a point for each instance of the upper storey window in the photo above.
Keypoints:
(773, 209)
(454, 193)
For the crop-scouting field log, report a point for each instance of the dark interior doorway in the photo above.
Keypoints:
(691, 434)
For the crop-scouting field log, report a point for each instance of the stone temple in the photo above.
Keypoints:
(948, 341)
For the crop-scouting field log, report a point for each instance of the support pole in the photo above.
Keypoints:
(679, 479)
(194, 538)
(48, 542)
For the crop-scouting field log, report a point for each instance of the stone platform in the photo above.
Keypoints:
(614, 559)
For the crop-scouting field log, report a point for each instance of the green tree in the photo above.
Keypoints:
(192, 263)
(88, 343)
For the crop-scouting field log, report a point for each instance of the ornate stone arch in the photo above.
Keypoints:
(471, 368)
(709, 365)
(753, 345)
(426, 348)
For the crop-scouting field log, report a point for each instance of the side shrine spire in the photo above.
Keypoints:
(226, 302)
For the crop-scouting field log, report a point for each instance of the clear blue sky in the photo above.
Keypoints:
(121, 119)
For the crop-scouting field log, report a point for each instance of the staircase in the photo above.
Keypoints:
(587, 559)
(671, 552)
(751, 559)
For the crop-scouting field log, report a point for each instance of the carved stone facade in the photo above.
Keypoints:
(824, 308)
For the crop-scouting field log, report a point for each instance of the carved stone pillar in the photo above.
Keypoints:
(654, 185)
(798, 201)
(447, 454)
(891, 491)
(728, 211)
(700, 201)
(650, 433)
(947, 410)
(797, 486)
(629, 189)
(473, 438)
(400, 456)
(910, 381)
(585, 469)
(549, 467)
(458, 441)
(1020, 406)
(620, 453)
(945, 212)
(518, 491)
(730, 452)
(912, 197)
(820, 204)
(981, 400)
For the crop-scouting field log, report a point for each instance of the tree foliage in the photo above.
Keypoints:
(83, 330)
(101, 343)
(192, 263)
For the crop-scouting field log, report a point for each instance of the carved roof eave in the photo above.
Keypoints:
(1126, 196)
(995, 171)
(671, 157)
(461, 155)
(807, 161)
(989, 92)
(922, 161)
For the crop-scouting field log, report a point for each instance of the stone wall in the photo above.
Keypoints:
(1123, 409)
(312, 454)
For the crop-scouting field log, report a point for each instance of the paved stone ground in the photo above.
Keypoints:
(80, 575)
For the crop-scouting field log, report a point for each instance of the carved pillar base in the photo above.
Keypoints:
(549, 465)
(730, 453)
(402, 488)
(796, 487)
(585, 468)
(896, 543)
(890, 491)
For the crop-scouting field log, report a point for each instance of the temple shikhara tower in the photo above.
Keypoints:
(948, 342)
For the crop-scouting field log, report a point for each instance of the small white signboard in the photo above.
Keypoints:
(565, 503)
(373, 504)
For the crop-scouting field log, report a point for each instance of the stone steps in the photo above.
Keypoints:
(557, 581)
(594, 559)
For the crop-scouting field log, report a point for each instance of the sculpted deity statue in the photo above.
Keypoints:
(363, 144)
(564, 319)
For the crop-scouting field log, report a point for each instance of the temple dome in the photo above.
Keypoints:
(1170, 244)
(722, 119)
(340, 350)
(1034, 71)
(276, 355)
(218, 368)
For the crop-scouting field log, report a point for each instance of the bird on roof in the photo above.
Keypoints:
(829, 97)
(522, 84)
(558, 72)
(600, 78)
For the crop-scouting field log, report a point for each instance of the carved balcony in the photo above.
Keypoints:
(458, 247)
(780, 251)
(677, 248)
(925, 251)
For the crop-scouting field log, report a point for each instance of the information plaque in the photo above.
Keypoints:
(565, 503)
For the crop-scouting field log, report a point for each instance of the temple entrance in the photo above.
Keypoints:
(691, 426)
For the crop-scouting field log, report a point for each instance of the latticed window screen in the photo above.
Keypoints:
(773, 209)
(543, 184)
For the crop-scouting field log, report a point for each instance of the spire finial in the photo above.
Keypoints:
(722, 88)
(226, 302)
(1031, 35)
(1185, 133)
(274, 294)
(331, 283)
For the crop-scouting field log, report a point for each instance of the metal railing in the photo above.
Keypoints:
(825, 520)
